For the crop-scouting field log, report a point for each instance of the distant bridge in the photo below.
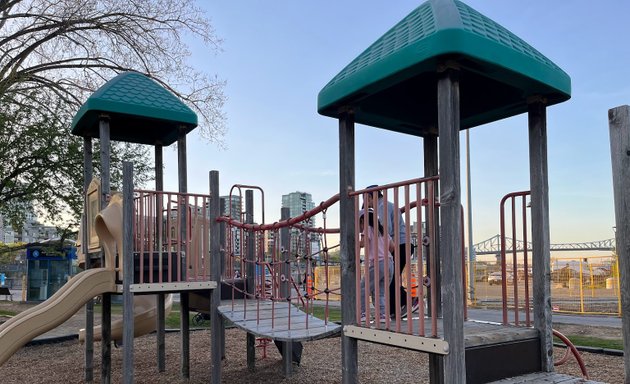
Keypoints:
(492, 246)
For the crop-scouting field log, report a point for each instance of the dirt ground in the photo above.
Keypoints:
(321, 361)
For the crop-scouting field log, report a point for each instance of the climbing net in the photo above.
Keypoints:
(288, 261)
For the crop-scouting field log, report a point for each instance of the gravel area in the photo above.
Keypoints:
(321, 361)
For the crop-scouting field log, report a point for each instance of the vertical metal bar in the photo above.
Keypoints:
(357, 261)
(349, 345)
(88, 357)
(407, 257)
(450, 218)
(419, 269)
(526, 262)
(106, 316)
(540, 229)
(127, 263)
(514, 263)
(503, 263)
(216, 322)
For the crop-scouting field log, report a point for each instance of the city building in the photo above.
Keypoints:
(301, 243)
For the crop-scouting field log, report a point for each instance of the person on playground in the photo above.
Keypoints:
(375, 239)
(393, 214)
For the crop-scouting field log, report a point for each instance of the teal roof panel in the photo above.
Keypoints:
(139, 110)
(393, 83)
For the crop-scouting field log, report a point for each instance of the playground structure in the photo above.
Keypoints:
(166, 242)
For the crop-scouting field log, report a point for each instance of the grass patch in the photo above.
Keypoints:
(7, 313)
(334, 314)
(594, 342)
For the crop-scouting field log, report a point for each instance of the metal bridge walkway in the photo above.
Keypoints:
(278, 321)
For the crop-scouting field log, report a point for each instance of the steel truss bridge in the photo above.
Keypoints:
(492, 246)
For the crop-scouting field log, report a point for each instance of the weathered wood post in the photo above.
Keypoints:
(127, 262)
(88, 357)
(250, 272)
(541, 246)
(349, 345)
(216, 263)
(285, 246)
(106, 302)
(184, 327)
(160, 297)
(619, 126)
(450, 219)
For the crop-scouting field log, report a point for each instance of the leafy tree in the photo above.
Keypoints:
(53, 54)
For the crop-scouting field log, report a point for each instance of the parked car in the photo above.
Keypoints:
(496, 278)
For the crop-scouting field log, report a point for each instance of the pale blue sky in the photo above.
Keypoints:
(278, 54)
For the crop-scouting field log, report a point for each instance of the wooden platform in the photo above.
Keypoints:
(278, 321)
(545, 377)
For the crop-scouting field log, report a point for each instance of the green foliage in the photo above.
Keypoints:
(53, 55)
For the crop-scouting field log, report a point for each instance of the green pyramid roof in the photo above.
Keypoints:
(140, 111)
(392, 84)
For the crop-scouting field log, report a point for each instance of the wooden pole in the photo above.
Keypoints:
(349, 345)
(619, 126)
(250, 273)
(161, 315)
(540, 229)
(106, 302)
(127, 253)
(216, 322)
(430, 144)
(450, 219)
(184, 300)
(88, 374)
(285, 242)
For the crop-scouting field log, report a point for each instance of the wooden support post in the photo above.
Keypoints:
(127, 262)
(349, 345)
(222, 248)
(161, 314)
(184, 306)
(450, 219)
(106, 302)
(250, 283)
(88, 373)
(430, 144)
(541, 282)
(619, 126)
(285, 242)
(216, 322)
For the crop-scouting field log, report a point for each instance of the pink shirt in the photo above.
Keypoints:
(382, 246)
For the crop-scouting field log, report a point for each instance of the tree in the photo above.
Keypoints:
(54, 53)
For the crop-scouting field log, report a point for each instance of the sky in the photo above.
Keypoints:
(277, 55)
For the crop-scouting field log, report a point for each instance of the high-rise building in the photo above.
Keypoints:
(299, 203)
(232, 207)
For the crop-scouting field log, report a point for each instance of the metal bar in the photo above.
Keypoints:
(251, 290)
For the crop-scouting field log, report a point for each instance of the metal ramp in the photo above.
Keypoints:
(278, 321)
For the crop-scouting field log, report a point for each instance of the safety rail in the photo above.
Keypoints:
(411, 200)
(170, 232)
(516, 271)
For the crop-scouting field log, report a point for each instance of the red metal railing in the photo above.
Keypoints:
(171, 229)
(518, 220)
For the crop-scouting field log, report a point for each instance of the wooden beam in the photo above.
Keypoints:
(88, 356)
(106, 302)
(216, 321)
(349, 346)
(127, 252)
(541, 282)
(160, 297)
(250, 273)
(619, 126)
(450, 219)
(182, 175)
